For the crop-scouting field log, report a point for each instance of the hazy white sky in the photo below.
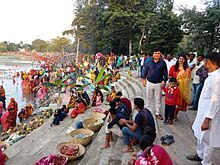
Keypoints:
(27, 20)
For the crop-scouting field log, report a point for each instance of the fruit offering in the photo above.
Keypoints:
(69, 150)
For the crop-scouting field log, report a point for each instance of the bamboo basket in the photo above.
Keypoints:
(84, 141)
(80, 152)
(98, 115)
(95, 128)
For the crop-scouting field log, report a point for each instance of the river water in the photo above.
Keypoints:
(8, 66)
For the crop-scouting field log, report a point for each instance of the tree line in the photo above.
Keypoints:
(144, 25)
(59, 44)
(135, 26)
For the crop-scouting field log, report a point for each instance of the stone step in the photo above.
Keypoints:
(135, 88)
(112, 155)
(128, 89)
(121, 88)
(134, 79)
(42, 141)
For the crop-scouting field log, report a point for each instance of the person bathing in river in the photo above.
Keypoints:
(13, 108)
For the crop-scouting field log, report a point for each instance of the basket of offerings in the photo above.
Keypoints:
(98, 115)
(93, 123)
(81, 136)
(70, 150)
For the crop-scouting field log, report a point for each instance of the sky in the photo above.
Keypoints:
(27, 20)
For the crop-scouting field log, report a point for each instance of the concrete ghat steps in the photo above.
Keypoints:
(42, 141)
(113, 155)
(121, 88)
(135, 88)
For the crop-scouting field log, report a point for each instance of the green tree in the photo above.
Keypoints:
(109, 26)
(202, 28)
(39, 45)
(3, 47)
(12, 47)
(59, 43)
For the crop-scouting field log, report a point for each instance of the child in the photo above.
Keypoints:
(97, 98)
(150, 154)
(21, 114)
(172, 100)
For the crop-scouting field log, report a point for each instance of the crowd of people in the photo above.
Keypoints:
(189, 82)
(193, 84)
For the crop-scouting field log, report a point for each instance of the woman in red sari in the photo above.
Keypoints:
(13, 108)
(182, 73)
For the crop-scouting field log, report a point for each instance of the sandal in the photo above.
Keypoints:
(163, 138)
(168, 141)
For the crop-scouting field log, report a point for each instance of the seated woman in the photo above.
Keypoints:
(21, 114)
(28, 110)
(72, 102)
(97, 98)
(79, 108)
(116, 75)
(63, 112)
(150, 154)
(110, 96)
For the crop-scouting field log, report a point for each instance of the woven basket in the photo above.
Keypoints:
(87, 122)
(83, 141)
(98, 115)
(80, 153)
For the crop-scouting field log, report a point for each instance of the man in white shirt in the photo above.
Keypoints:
(196, 86)
(206, 126)
(191, 61)
(170, 61)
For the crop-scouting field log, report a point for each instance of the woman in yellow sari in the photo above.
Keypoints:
(182, 73)
(92, 75)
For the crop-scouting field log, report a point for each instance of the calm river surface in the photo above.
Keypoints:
(8, 66)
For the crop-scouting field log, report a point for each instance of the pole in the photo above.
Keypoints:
(130, 47)
(77, 51)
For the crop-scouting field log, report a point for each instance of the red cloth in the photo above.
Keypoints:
(80, 108)
(2, 158)
(172, 72)
(157, 156)
(75, 112)
(127, 103)
(172, 97)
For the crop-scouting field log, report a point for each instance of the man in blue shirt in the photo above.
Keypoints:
(135, 129)
(154, 78)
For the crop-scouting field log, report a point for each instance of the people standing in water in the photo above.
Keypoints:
(9, 117)
(13, 108)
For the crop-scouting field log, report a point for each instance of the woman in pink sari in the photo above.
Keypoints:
(182, 73)
(6, 120)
